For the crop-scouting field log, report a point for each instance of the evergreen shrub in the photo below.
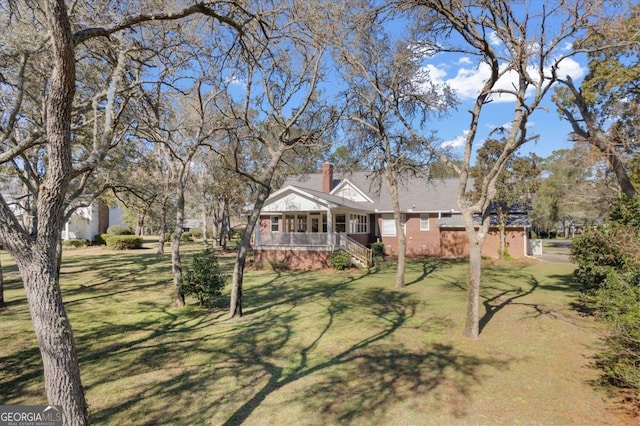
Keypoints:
(101, 239)
(377, 251)
(124, 242)
(340, 260)
(74, 243)
(119, 230)
(608, 267)
(203, 279)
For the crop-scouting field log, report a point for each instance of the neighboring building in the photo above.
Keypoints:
(315, 214)
(87, 222)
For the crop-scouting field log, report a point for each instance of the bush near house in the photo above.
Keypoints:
(608, 259)
(377, 252)
(101, 239)
(119, 230)
(279, 265)
(340, 260)
(124, 242)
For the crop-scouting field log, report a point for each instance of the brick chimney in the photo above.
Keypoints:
(327, 177)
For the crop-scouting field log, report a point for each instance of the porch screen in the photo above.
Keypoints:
(358, 223)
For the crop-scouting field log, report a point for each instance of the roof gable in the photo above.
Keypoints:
(348, 190)
(291, 198)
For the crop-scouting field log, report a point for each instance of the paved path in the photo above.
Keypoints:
(555, 251)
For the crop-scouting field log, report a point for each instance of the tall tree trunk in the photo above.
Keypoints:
(472, 323)
(503, 241)
(39, 261)
(235, 308)
(140, 223)
(163, 227)
(264, 189)
(1, 286)
(205, 239)
(54, 335)
(176, 261)
(402, 238)
(224, 228)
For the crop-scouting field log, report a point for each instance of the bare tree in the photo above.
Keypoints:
(57, 68)
(279, 116)
(530, 40)
(385, 82)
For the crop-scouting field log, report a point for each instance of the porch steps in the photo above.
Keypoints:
(360, 255)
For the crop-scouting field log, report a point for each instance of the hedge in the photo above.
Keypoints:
(124, 242)
(75, 243)
(119, 230)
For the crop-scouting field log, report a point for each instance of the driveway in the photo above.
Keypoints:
(555, 251)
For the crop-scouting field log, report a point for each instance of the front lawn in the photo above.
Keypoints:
(316, 347)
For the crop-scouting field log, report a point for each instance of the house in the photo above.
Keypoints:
(313, 215)
(86, 222)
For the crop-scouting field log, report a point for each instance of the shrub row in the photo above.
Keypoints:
(124, 242)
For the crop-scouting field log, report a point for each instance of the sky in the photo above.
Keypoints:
(466, 78)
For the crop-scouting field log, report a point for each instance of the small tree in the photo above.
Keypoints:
(204, 279)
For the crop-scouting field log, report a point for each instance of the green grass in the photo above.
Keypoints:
(315, 347)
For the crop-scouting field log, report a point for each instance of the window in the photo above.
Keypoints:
(424, 222)
(341, 223)
(388, 225)
(274, 224)
(301, 223)
(358, 223)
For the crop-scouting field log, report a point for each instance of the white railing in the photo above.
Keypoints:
(310, 239)
(356, 250)
(316, 239)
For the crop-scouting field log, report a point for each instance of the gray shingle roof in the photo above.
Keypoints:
(416, 194)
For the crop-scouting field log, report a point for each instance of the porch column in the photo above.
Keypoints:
(329, 227)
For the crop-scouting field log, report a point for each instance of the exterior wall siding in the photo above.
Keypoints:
(450, 243)
(419, 243)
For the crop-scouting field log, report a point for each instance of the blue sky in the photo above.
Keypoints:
(466, 77)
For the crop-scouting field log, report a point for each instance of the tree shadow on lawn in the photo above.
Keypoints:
(429, 266)
(369, 376)
(502, 292)
(18, 371)
(352, 374)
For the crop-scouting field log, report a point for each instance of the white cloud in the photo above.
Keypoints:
(233, 80)
(468, 80)
(457, 142)
(494, 40)
(570, 67)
